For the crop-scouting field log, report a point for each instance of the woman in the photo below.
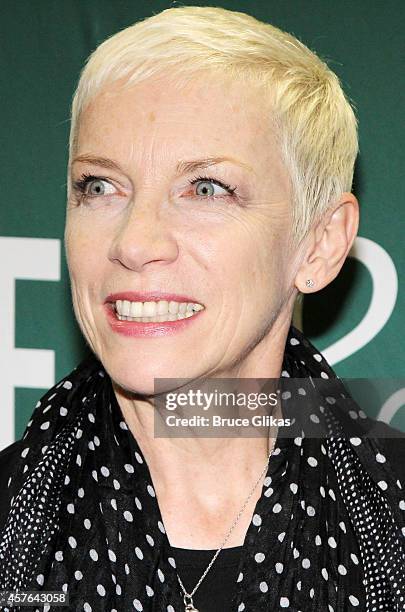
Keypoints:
(211, 162)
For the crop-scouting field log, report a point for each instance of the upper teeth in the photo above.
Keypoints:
(152, 309)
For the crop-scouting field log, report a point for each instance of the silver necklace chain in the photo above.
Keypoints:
(188, 597)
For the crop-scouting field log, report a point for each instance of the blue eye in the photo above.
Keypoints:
(205, 187)
(93, 186)
(98, 187)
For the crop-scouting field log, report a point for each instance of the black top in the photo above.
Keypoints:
(217, 589)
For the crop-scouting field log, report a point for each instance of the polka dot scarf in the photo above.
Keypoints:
(327, 532)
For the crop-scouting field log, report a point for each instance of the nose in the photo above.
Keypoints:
(141, 238)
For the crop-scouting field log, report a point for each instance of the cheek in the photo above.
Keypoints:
(83, 252)
(260, 263)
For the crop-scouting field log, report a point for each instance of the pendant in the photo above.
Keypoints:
(189, 606)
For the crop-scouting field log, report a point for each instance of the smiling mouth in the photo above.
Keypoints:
(155, 311)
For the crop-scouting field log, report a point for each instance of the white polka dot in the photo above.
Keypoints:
(137, 605)
(279, 568)
(325, 573)
(257, 520)
(259, 557)
(380, 458)
(353, 600)
(138, 457)
(312, 461)
(138, 552)
(284, 602)
(100, 590)
(150, 540)
(342, 570)
(78, 575)
(93, 554)
(128, 516)
(263, 587)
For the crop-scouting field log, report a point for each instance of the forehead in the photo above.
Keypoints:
(159, 118)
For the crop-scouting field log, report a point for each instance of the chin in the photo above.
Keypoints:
(137, 378)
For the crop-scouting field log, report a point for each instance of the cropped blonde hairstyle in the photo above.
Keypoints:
(314, 120)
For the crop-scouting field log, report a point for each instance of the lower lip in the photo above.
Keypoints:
(137, 329)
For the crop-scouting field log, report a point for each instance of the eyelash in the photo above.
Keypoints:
(80, 185)
(209, 179)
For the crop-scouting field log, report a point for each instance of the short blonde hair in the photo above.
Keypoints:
(316, 123)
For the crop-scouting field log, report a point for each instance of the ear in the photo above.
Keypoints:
(328, 244)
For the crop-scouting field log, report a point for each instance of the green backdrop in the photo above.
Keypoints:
(358, 321)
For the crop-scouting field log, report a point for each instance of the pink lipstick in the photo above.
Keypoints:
(148, 328)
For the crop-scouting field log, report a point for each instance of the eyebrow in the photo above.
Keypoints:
(182, 167)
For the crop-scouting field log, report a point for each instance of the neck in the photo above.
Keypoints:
(174, 461)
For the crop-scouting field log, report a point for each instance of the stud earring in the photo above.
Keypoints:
(309, 282)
